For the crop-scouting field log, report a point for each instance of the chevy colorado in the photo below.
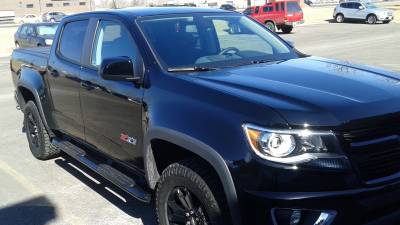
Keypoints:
(214, 118)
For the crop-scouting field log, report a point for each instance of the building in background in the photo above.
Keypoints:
(38, 7)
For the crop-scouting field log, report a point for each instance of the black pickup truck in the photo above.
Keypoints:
(214, 118)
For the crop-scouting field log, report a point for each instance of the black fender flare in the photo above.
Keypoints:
(31, 80)
(202, 150)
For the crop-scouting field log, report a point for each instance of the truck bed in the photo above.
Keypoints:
(34, 57)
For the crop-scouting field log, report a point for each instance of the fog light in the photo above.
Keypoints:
(302, 217)
(295, 218)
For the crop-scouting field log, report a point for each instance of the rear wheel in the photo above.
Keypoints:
(38, 138)
(189, 194)
(287, 29)
(339, 18)
(371, 19)
(270, 25)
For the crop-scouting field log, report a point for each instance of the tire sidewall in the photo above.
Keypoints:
(375, 19)
(339, 16)
(270, 26)
(31, 108)
(169, 183)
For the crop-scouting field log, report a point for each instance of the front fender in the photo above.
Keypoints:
(202, 150)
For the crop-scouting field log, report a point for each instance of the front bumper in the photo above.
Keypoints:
(385, 18)
(378, 205)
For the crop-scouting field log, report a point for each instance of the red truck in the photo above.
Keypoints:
(278, 15)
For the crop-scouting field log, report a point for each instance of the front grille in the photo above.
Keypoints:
(374, 152)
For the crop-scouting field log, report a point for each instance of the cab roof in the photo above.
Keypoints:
(155, 11)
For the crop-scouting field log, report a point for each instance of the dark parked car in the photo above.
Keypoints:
(35, 35)
(228, 7)
(215, 117)
(53, 17)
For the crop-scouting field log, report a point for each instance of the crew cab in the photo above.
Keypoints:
(278, 15)
(214, 118)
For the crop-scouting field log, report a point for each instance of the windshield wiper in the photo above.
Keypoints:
(190, 69)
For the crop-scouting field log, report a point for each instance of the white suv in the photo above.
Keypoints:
(368, 12)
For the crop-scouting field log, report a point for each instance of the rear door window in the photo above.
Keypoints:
(268, 9)
(72, 40)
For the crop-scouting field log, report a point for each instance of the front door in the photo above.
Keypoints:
(112, 110)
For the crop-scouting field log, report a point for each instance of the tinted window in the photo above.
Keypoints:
(268, 9)
(257, 9)
(112, 40)
(282, 6)
(30, 31)
(293, 7)
(72, 40)
(350, 5)
(277, 7)
(356, 5)
(248, 11)
(23, 30)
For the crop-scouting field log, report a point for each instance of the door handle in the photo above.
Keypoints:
(87, 85)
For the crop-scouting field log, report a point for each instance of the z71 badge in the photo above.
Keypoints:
(127, 139)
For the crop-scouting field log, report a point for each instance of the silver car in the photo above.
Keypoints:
(366, 11)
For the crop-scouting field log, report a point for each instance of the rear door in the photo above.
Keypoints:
(64, 81)
(112, 110)
(351, 11)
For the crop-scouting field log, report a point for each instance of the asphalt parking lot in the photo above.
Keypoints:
(63, 192)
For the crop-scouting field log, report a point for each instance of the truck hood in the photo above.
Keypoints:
(312, 90)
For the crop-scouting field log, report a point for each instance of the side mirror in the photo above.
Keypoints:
(118, 69)
(361, 7)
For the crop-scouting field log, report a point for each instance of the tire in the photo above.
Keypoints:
(371, 19)
(194, 182)
(339, 18)
(287, 29)
(38, 138)
(270, 25)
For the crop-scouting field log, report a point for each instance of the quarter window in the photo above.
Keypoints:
(72, 40)
(112, 40)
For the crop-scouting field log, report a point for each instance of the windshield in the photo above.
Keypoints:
(370, 5)
(211, 40)
(47, 29)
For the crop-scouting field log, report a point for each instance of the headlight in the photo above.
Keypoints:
(48, 41)
(319, 148)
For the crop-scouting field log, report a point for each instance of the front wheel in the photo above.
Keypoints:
(189, 194)
(371, 19)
